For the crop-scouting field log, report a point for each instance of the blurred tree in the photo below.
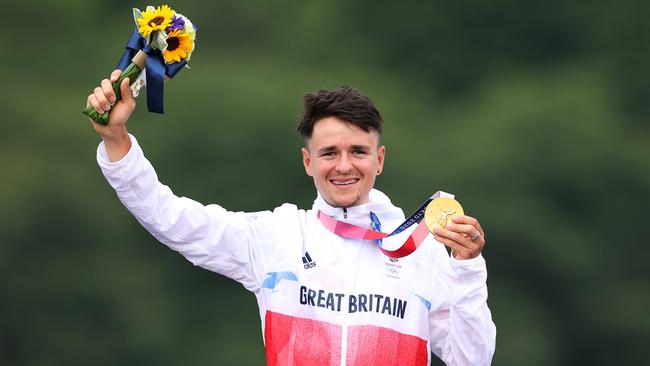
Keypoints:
(533, 113)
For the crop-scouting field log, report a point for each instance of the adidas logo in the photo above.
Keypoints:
(308, 263)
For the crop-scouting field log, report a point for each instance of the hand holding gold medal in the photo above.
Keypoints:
(446, 220)
(443, 216)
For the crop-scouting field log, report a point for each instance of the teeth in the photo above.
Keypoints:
(344, 182)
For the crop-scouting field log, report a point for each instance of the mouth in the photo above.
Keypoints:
(342, 182)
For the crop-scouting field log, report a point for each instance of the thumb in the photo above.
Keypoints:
(127, 94)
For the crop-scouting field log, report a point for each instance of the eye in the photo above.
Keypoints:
(359, 152)
(328, 154)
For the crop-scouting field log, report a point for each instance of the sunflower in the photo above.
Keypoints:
(154, 19)
(179, 45)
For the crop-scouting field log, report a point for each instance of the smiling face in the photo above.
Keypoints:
(344, 161)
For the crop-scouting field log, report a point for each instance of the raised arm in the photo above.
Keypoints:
(208, 236)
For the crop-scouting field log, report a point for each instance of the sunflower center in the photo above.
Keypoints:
(172, 43)
(156, 21)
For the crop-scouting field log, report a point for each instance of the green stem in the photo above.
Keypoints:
(132, 71)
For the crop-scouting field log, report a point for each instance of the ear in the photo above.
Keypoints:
(306, 161)
(381, 154)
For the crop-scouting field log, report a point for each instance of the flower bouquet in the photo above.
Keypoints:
(161, 45)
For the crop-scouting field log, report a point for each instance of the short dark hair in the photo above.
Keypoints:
(343, 102)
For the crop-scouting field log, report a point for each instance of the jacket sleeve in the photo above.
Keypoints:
(462, 331)
(208, 236)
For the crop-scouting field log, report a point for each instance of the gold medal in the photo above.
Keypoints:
(439, 212)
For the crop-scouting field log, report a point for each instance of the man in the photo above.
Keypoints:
(324, 299)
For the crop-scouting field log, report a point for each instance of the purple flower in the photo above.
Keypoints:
(177, 23)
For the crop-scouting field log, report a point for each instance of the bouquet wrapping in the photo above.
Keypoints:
(161, 45)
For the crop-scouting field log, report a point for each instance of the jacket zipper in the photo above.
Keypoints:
(344, 328)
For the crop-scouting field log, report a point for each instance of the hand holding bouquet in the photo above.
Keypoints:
(161, 45)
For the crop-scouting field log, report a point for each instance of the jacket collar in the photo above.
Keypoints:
(378, 203)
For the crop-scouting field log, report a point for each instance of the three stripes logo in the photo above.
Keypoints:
(307, 262)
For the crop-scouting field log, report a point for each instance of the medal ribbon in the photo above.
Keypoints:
(414, 240)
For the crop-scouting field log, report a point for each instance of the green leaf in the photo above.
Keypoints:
(159, 40)
(136, 15)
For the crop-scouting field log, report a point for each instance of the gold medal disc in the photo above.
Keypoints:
(439, 212)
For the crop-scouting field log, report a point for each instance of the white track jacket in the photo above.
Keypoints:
(323, 299)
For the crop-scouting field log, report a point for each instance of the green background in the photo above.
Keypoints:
(534, 113)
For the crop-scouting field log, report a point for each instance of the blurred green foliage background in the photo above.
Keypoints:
(534, 113)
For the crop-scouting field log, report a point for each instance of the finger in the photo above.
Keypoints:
(448, 234)
(462, 239)
(464, 219)
(127, 94)
(467, 230)
(456, 248)
(115, 75)
(92, 100)
(101, 99)
(461, 228)
(462, 250)
(107, 87)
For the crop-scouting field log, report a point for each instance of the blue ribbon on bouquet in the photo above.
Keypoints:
(155, 68)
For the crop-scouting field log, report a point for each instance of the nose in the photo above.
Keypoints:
(344, 164)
